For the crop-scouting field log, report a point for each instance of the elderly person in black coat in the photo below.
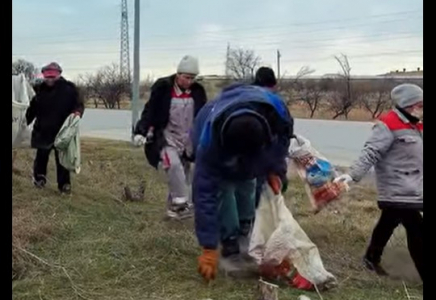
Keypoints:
(55, 100)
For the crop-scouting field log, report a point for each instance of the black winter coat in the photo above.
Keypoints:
(156, 114)
(50, 107)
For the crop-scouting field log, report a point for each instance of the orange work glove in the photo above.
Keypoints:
(275, 183)
(208, 264)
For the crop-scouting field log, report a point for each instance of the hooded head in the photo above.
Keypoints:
(51, 73)
(410, 98)
(187, 70)
(245, 134)
(265, 77)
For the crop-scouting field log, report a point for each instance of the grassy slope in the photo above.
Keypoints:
(95, 246)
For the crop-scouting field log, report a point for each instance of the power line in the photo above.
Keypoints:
(279, 55)
(351, 58)
(296, 44)
(256, 36)
(297, 24)
(273, 34)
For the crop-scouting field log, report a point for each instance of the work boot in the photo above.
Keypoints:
(230, 247)
(65, 189)
(234, 263)
(374, 267)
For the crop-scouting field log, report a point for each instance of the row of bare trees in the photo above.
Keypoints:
(339, 94)
(107, 86)
(340, 97)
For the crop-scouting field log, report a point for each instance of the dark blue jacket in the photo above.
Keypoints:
(213, 164)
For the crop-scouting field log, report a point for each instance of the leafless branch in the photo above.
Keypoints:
(242, 64)
(107, 86)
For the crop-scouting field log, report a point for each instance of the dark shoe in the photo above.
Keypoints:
(180, 212)
(374, 267)
(245, 227)
(239, 267)
(65, 189)
(39, 183)
(230, 247)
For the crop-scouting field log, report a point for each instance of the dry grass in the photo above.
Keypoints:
(93, 245)
(298, 111)
(302, 112)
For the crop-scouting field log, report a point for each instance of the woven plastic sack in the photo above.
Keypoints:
(316, 172)
(22, 93)
(278, 242)
(67, 142)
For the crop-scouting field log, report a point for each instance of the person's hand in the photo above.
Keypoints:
(139, 140)
(77, 114)
(150, 135)
(275, 183)
(208, 264)
(344, 178)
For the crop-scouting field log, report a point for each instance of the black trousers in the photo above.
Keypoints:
(389, 220)
(40, 168)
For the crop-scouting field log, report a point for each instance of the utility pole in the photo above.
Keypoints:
(227, 60)
(135, 84)
(278, 63)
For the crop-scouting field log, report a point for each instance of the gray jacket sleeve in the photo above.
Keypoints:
(375, 147)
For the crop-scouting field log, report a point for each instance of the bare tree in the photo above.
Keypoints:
(311, 94)
(375, 97)
(341, 100)
(292, 89)
(242, 64)
(23, 66)
(107, 86)
(288, 92)
(297, 83)
(82, 84)
(303, 72)
(145, 87)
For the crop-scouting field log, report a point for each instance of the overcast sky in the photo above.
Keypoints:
(378, 36)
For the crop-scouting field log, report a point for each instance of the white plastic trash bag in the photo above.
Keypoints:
(277, 237)
(22, 94)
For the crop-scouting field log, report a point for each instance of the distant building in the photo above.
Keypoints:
(404, 72)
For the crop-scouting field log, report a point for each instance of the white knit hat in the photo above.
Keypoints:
(406, 95)
(188, 65)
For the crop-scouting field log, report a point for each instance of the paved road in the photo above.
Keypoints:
(339, 141)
